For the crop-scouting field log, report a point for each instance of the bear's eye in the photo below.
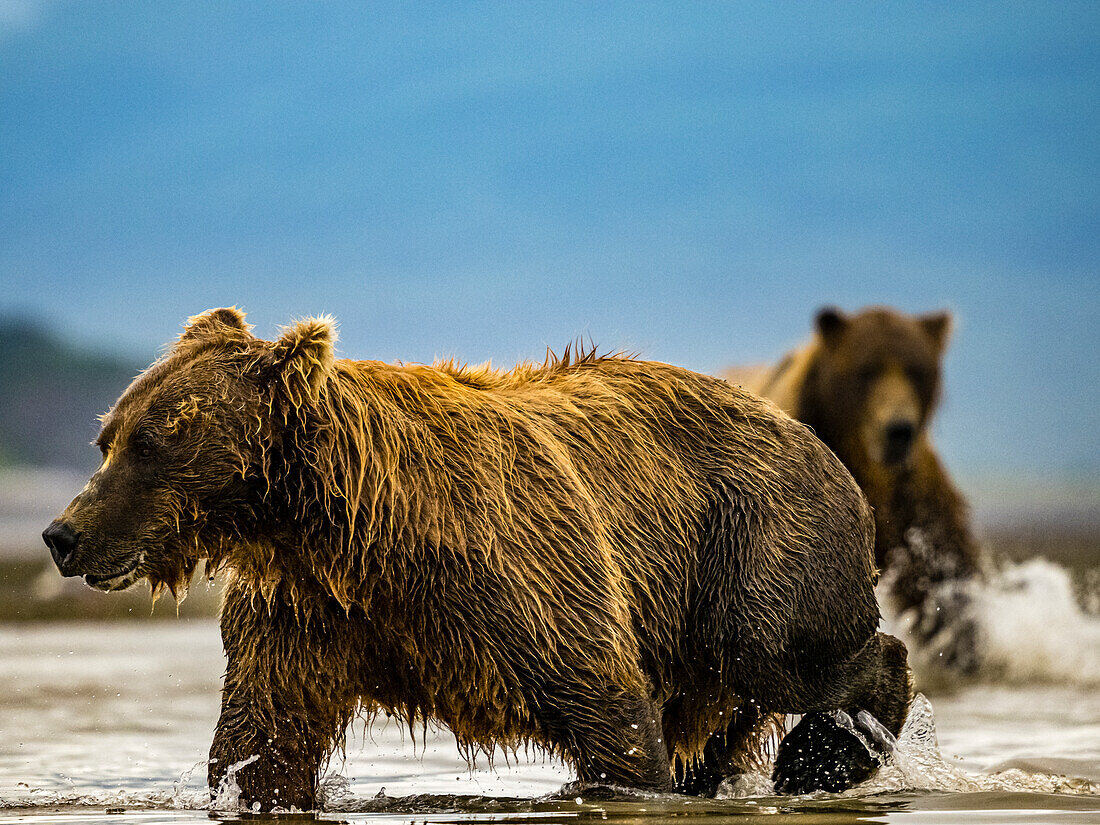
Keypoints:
(867, 374)
(143, 446)
(918, 375)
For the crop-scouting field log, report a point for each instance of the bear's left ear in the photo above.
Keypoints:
(830, 323)
(937, 326)
(303, 358)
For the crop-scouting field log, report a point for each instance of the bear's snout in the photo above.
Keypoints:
(899, 437)
(62, 541)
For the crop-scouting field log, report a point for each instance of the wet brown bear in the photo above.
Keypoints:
(868, 384)
(619, 560)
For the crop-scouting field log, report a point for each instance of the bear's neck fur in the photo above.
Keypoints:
(338, 492)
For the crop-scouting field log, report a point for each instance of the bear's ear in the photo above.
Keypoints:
(227, 322)
(830, 322)
(303, 357)
(937, 326)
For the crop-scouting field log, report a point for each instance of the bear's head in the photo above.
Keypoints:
(874, 383)
(186, 451)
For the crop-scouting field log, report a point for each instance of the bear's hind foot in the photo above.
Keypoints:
(829, 752)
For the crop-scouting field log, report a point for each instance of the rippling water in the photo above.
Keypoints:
(111, 723)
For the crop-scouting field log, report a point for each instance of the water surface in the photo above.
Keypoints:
(110, 722)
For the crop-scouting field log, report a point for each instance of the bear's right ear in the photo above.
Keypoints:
(302, 359)
(227, 323)
(937, 326)
(830, 322)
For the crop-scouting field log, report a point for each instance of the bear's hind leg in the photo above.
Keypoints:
(612, 736)
(825, 751)
(737, 749)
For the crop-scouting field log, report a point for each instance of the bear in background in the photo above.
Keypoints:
(868, 385)
(635, 566)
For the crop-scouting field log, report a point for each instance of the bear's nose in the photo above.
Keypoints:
(899, 440)
(62, 540)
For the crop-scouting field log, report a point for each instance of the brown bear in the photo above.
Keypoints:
(868, 385)
(630, 564)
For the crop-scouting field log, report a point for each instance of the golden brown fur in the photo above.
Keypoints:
(619, 560)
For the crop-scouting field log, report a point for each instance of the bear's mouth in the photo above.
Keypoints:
(118, 579)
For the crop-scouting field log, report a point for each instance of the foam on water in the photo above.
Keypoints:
(917, 764)
(188, 793)
(1032, 627)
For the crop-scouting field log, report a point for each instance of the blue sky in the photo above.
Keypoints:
(689, 181)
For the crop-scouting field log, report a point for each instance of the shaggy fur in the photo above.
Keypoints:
(868, 385)
(619, 560)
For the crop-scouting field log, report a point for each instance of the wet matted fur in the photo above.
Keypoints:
(622, 561)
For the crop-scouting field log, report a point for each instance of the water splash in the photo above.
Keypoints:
(228, 795)
(1034, 628)
(119, 798)
(335, 789)
(916, 764)
(188, 793)
(746, 786)
(1031, 625)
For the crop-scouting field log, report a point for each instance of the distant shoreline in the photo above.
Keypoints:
(32, 590)
(1018, 520)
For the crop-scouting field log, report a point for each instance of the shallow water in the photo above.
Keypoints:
(111, 723)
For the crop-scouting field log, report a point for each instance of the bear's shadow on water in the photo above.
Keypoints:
(595, 803)
(579, 802)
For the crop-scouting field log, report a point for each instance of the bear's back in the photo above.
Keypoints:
(642, 449)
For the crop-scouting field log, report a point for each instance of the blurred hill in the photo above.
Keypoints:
(52, 392)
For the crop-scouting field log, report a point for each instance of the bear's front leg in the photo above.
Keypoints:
(265, 762)
(285, 703)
